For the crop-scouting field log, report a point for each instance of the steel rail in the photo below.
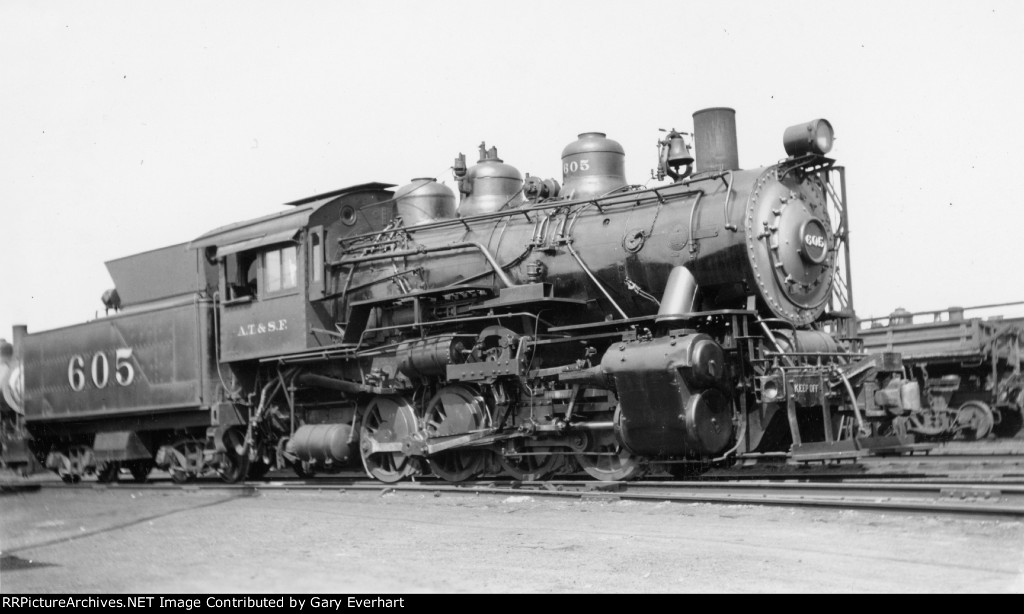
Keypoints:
(951, 498)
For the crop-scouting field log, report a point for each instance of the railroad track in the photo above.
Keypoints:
(956, 481)
(955, 464)
(1004, 499)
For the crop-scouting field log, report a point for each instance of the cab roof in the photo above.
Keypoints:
(276, 227)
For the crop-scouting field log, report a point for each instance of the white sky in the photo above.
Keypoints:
(127, 126)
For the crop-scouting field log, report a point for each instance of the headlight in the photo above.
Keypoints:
(812, 137)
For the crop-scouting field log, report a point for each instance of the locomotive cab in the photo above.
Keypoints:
(273, 271)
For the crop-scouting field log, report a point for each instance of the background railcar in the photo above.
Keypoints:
(968, 366)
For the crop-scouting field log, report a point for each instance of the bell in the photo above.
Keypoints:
(678, 152)
(459, 167)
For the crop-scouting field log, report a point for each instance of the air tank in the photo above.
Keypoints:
(424, 201)
(322, 443)
(490, 185)
(592, 166)
(714, 138)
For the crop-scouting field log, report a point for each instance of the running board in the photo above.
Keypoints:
(824, 450)
(856, 448)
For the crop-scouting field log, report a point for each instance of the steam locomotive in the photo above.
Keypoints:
(528, 327)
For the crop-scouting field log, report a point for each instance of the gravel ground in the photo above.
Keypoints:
(155, 541)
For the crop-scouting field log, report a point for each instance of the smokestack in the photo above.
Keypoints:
(714, 137)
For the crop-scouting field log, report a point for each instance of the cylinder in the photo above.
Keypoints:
(669, 399)
(714, 138)
(592, 166)
(424, 201)
(431, 357)
(680, 296)
(322, 443)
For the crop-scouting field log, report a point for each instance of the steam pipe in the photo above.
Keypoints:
(322, 381)
(853, 400)
(505, 279)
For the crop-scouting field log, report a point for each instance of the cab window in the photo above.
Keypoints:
(240, 270)
(317, 256)
(280, 270)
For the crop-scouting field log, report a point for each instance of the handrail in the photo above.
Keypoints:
(624, 198)
(596, 281)
(934, 312)
(505, 279)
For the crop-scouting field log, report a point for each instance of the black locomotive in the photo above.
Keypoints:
(528, 327)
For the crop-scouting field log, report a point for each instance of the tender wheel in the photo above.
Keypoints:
(185, 463)
(108, 472)
(531, 464)
(387, 422)
(455, 410)
(140, 470)
(233, 467)
(974, 420)
(76, 464)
